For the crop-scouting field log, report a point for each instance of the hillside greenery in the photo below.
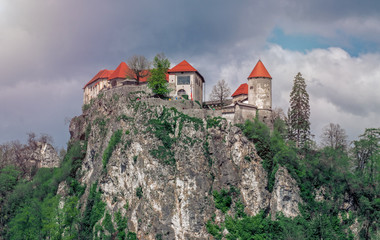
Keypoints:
(347, 179)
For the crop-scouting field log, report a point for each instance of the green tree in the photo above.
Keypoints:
(157, 80)
(52, 218)
(26, 224)
(367, 151)
(8, 180)
(71, 215)
(299, 112)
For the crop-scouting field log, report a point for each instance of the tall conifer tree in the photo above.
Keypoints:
(299, 112)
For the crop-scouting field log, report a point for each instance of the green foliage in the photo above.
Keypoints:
(101, 123)
(158, 236)
(122, 224)
(71, 215)
(206, 152)
(85, 107)
(8, 180)
(157, 80)
(116, 97)
(255, 227)
(132, 236)
(115, 139)
(27, 222)
(75, 188)
(124, 117)
(139, 192)
(93, 213)
(185, 97)
(107, 224)
(259, 134)
(163, 127)
(214, 230)
(222, 200)
(214, 122)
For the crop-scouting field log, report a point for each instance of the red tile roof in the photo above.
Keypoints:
(120, 72)
(102, 74)
(242, 89)
(184, 66)
(259, 71)
(123, 71)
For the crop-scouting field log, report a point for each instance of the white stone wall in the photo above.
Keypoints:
(260, 92)
(91, 91)
(195, 87)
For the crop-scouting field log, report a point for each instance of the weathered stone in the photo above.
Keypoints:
(46, 156)
(169, 198)
(285, 196)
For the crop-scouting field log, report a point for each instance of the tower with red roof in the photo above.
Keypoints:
(260, 87)
(254, 96)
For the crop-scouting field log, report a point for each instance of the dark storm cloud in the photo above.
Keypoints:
(50, 49)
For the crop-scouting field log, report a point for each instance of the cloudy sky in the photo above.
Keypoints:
(49, 49)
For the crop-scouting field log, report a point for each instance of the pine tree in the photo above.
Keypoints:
(299, 112)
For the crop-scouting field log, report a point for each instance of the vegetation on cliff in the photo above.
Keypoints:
(82, 199)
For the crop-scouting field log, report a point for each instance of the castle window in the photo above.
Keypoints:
(183, 80)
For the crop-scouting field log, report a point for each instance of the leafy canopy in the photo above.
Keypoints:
(157, 80)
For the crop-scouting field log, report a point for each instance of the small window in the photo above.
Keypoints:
(183, 80)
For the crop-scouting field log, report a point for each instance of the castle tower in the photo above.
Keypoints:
(260, 88)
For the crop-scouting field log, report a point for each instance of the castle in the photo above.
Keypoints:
(252, 97)
(186, 82)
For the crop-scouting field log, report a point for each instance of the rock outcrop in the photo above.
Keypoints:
(285, 196)
(162, 172)
(45, 156)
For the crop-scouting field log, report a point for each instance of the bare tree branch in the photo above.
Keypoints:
(334, 136)
(220, 92)
(139, 66)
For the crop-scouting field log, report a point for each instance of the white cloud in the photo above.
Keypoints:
(343, 89)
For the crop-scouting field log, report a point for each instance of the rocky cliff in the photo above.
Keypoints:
(158, 163)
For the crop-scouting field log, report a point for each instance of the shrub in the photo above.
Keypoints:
(222, 200)
(139, 192)
(115, 139)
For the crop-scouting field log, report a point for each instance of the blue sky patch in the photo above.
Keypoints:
(304, 42)
(297, 42)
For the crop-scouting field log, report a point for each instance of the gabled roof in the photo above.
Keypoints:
(184, 66)
(102, 74)
(259, 71)
(242, 90)
(120, 72)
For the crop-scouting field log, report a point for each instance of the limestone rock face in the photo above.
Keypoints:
(286, 195)
(162, 172)
(46, 156)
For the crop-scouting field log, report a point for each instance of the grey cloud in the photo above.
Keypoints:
(49, 46)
